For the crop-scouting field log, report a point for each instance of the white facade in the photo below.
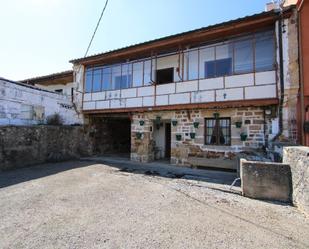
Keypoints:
(25, 105)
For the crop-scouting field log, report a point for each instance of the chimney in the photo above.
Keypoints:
(271, 6)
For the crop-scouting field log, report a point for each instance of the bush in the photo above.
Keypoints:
(54, 119)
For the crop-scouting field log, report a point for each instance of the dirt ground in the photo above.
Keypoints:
(93, 205)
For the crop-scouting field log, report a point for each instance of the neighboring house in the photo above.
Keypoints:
(303, 20)
(22, 104)
(61, 82)
(208, 93)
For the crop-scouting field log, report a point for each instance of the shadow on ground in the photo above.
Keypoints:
(16, 176)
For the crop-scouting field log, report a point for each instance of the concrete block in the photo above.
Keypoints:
(134, 102)
(188, 86)
(113, 94)
(89, 105)
(203, 96)
(117, 103)
(180, 98)
(260, 92)
(162, 100)
(145, 91)
(266, 180)
(87, 97)
(148, 101)
(128, 93)
(264, 78)
(229, 94)
(239, 80)
(98, 96)
(102, 104)
(213, 83)
(165, 89)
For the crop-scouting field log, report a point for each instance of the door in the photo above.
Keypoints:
(168, 140)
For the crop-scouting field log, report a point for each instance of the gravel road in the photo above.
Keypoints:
(92, 205)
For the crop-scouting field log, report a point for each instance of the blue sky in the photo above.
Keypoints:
(39, 37)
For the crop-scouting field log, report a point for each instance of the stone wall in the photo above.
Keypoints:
(266, 180)
(21, 146)
(298, 159)
(142, 149)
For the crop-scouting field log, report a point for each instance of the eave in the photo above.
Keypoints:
(190, 38)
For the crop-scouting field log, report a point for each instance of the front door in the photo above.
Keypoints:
(168, 140)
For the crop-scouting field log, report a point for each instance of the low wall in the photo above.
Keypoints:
(266, 180)
(21, 146)
(298, 158)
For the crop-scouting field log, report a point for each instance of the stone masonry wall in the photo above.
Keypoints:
(142, 149)
(298, 159)
(22, 146)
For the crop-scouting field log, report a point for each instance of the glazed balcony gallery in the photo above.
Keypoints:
(241, 55)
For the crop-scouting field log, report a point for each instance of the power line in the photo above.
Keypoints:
(96, 28)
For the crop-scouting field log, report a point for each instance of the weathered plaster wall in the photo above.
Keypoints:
(142, 149)
(291, 78)
(24, 105)
(21, 146)
(298, 159)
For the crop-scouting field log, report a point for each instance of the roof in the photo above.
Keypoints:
(271, 15)
(55, 78)
(26, 85)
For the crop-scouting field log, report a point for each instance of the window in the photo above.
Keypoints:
(107, 78)
(218, 131)
(147, 72)
(88, 81)
(137, 74)
(264, 51)
(243, 61)
(217, 61)
(224, 60)
(191, 65)
(116, 77)
(96, 83)
(165, 75)
(126, 75)
(207, 63)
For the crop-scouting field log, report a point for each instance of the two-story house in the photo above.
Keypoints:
(205, 94)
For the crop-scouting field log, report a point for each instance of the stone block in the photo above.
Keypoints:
(265, 180)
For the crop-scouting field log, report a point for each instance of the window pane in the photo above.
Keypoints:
(138, 74)
(126, 78)
(218, 131)
(107, 84)
(207, 58)
(243, 56)
(192, 58)
(88, 81)
(96, 85)
(116, 77)
(264, 51)
(147, 72)
(224, 54)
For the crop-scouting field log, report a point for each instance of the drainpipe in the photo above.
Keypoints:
(281, 73)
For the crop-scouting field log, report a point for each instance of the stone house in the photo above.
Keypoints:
(198, 97)
(61, 82)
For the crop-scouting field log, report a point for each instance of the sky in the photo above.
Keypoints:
(39, 37)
